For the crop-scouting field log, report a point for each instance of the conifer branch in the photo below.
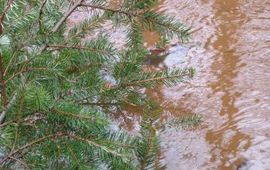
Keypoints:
(26, 71)
(34, 142)
(70, 83)
(60, 46)
(108, 9)
(77, 116)
(155, 79)
(73, 136)
(99, 103)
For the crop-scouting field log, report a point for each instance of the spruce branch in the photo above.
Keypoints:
(108, 9)
(90, 142)
(34, 142)
(60, 46)
(57, 88)
(26, 70)
(164, 77)
(77, 116)
(99, 103)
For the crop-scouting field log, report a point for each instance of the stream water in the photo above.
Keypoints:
(230, 50)
(231, 53)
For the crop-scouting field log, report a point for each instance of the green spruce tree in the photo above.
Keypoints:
(57, 90)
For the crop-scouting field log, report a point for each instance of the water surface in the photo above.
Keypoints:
(230, 49)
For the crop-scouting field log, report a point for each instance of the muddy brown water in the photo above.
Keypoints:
(230, 50)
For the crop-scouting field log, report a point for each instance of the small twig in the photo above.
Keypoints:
(10, 62)
(72, 154)
(66, 15)
(6, 123)
(41, 13)
(20, 161)
(8, 5)
(99, 103)
(25, 71)
(4, 99)
(4, 112)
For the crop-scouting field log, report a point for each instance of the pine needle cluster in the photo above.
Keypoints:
(55, 89)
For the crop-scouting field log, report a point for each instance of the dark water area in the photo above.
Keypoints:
(230, 50)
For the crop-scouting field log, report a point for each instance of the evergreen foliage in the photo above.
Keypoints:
(55, 88)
